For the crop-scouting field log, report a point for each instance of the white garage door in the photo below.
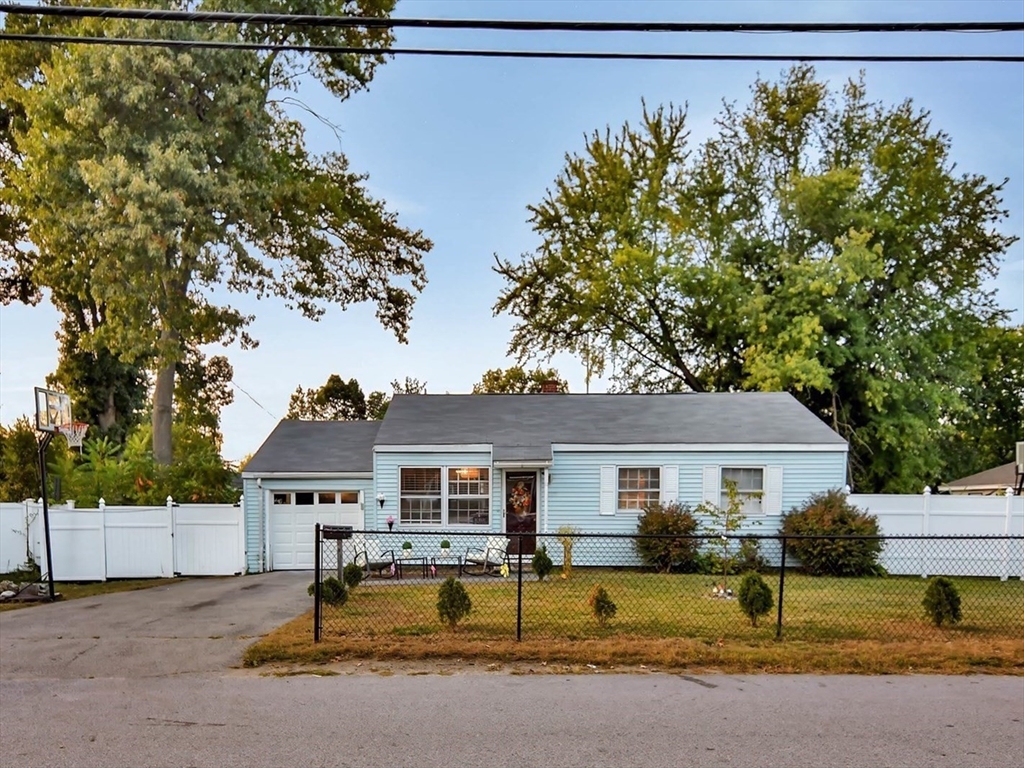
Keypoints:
(292, 517)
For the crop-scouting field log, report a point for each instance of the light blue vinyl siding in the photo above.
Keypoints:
(386, 466)
(576, 481)
(255, 499)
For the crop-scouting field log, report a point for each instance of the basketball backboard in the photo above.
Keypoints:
(53, 410)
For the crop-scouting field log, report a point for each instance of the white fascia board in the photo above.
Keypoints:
(521, 464)
(307, 475)
(700, 447)
(437, 448)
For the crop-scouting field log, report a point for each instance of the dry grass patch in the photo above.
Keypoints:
(75, 590)
(293, 643)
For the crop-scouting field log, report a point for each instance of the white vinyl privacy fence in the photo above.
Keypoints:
(930, 515)
(126, 542)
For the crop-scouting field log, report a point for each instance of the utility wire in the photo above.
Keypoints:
(505, 54)
(370, 22)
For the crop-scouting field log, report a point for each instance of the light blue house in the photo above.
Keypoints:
(532, 463)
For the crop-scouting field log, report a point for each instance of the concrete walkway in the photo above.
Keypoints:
(199, 625)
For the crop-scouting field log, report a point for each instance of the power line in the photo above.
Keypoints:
(369, 22)
(506, 54)
(239, 387)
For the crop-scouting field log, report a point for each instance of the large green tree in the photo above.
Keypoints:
(516, 380)
(818, 242)
(340, 400)
(149, 178)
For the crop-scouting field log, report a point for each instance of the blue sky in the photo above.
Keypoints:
(460, 147)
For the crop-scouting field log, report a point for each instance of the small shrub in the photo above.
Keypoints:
(541, 563)
(333, 592)
(942, 601)
(353, 575)
(749, 558)
(601, 605)
(668, 554)
(755, 597)
(453, 603)
(831, 514)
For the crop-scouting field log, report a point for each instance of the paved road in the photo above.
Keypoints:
(146, 679)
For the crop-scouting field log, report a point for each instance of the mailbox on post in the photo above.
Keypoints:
(337, 531)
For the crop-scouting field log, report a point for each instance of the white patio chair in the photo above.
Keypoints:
(486, 559)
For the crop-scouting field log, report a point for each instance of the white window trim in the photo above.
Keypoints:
(761, 494)
(635, 512)
(444, 498)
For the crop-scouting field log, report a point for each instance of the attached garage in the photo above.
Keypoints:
(307, 472)
(293, 515)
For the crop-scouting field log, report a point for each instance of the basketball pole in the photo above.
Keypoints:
(43, 445)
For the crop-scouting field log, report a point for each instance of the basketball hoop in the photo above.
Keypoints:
(74, 434)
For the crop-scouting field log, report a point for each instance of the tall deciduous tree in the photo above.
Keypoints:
(340, 400)
(819, 243)
(516, 380)
(149, 177)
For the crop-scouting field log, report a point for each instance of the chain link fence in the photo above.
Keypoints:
(631, 586)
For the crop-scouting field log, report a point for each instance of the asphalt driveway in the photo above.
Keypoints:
(200, 625)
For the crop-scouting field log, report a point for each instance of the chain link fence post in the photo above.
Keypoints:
(317, 609)
(519, 592)
(782, 588)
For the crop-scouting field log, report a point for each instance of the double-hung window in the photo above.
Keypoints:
(463, 499)
(469, 500)
(639, 487)
(749, 486)
(420, 496)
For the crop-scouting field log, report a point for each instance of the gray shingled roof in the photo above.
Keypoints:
(317, 446)
(523, 427)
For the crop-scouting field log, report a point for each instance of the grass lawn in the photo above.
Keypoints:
(829, 624)
(75, 590)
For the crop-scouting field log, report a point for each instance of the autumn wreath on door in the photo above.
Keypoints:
(519, 498)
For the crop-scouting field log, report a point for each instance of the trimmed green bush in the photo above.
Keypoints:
(601, 605)
(453, 603)
(755, 597)
(541, 563)
(353, 575)
(668, 554)
(942, 601)
(831, 514)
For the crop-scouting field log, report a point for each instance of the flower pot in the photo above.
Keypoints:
(391, 524)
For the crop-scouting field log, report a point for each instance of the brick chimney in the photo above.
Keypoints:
(550, 387)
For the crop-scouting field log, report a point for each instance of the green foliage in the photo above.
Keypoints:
(19, 462)
(601, 605)
(755, 597)
(166, 176)
(749, 557)
(453, 603)
(333, 592)
(541, 563)
(128, 474)
(407, 546)
(668, 554)
(942, 601)
(339, 400)
(445, 544)
(517, 381)
(831, 514)
(353, 575)
(793, 250)
(721, 523)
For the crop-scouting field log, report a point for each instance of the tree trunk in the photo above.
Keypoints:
(108, 416)
(163, 405)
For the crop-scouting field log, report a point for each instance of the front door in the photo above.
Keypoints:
(521, 510)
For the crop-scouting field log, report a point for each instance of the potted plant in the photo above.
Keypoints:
(406, 548)
(446, 547)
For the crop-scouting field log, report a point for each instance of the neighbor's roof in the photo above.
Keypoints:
(316, 446)
(523, 427)
(996, 478)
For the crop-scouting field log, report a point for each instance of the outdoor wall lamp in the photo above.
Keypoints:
(381, 499)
